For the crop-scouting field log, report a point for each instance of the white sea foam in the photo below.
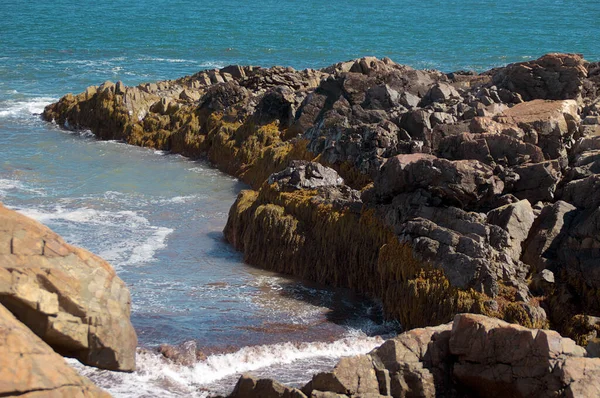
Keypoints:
(8, 185)
(20, 108)
(157, 377)
(145, 252)
(125, 237)
(169, 60)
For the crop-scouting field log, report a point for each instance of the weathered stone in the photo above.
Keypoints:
(584, 193)
(306, 175)
(516, 219)
(249, 387)
(498, 359)
(351, 376)
(30, 368)
(69, 297)
(553, 76)
(555, 123)
(540, 249)
(459, 182)
(537, 182)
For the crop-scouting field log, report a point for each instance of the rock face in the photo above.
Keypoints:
(32, 369)
(436, 193)
(474, 356)
(70, 298)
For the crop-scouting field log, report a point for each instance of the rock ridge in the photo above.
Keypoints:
(436, 193)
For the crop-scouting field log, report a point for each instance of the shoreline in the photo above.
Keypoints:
(373, 121)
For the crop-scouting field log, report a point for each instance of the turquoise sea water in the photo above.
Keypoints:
(158, 217)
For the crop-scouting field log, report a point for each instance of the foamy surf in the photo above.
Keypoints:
(126, 237)
(21, 108)
(10, 185)
(217, 374)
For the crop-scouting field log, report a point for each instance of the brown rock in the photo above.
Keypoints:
(351, 376)
(497, 359)
(553, 122)
(29, 368)
(537, 182)
(553, 76)
(69, 297)
(248, 387)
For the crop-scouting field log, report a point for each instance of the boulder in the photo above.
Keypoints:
(498, 359)
(68, 296)
(540, 250)
(306, 175)
(30, 368)
(555, 123)
(441, 92)
(584, 193)
(516, 219)
(553, 76)
(249, 387)
(351, 376)
(461, 182)
(536, 182)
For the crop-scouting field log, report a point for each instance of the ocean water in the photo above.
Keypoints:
(158, 217)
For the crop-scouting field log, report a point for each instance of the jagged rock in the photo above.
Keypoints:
(579, 255)
(30, 368)
(546, 234)
(497, 359)
(189, 95)
(69, 297)
(459, 182)
(516, 219)
(277, 104)
(221, 96)
(473, 356)
(440, 92)
(415, 363)
(553, 76)
(249, 387)
(491, 149)
(536, 182)
(351, 376)
(583, 193)
(306, 175)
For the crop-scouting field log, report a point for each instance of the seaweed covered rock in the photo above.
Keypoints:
(70, 298)
(456, 187)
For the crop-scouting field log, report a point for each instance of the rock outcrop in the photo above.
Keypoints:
(461, 192)
(474, 356)
(30, 368)
(70, 298)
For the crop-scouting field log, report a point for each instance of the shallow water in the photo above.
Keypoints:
(158, 217)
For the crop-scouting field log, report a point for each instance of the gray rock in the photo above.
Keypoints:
(516, 219)
(306, 175)
(546, 234)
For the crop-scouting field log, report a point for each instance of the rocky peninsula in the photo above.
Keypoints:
(436, 193)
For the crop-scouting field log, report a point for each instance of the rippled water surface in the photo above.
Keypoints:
(158, 217)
